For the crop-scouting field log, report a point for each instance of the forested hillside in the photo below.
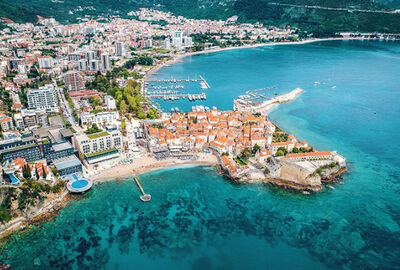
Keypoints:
(318, 19)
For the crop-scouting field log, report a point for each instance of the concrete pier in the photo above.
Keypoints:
(145, 197)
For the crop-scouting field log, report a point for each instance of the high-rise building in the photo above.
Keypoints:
(94, 65)
(44, 98)
(120, 49)
(83, 65)
(73, 81)
(105, 62)
(177, 39)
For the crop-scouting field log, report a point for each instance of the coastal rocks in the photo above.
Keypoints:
(295, 177)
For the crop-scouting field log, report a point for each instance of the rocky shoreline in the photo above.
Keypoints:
(315, 185)
(38, 215)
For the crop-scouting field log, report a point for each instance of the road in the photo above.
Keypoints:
(334, 9)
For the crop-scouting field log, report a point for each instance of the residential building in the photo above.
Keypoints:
(100, 119)
(120, 49)
(110, 102)
(6, 123)
(44, 98)
(73, 81)
(105, 62)
(45, 62)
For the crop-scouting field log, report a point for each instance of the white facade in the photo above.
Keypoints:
(101, 118)
(105, 62)
(45, 62)
(120, 49)
(110, 102)
(44, 98)
(177, 39)
(99, 146)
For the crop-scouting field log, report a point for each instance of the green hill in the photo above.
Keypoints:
(16, 13)
(319, 20)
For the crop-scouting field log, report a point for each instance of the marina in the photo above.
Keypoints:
(176, 96)
(156, 89)
(203, 82)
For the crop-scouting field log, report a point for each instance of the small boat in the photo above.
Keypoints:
(305, 192)
(330, 187)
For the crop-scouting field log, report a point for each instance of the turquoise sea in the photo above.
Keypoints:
(198, 219)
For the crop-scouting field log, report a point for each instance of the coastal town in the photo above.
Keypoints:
(76, 108)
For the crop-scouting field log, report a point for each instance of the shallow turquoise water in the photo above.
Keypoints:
(199, 220)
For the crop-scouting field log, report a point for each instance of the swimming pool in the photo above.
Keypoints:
(14, 180)
(78, 184)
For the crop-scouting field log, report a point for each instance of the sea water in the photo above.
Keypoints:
(198, 219)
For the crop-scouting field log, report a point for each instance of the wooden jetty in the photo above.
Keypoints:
(145, 197)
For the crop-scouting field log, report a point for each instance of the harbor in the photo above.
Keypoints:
(175, 89)
(203, 82)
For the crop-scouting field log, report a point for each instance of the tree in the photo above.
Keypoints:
(283, 150)
(26, 171)
(44, 172)
(5, 176)
(279, 153)
(266, 171)
(256, 148)
(37, 174)
(246, 152)
(123, 107)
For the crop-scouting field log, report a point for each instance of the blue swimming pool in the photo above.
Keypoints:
(75, 177)
(14, 180)
(79, 184)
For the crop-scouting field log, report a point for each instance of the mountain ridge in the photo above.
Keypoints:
(319, 20)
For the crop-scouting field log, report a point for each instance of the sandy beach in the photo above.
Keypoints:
(148, 163)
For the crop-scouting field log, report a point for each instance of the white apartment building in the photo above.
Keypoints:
(120, 49)
(44, 98)
(100, 119)
(105, 62)
(110, 102)
(45, 62)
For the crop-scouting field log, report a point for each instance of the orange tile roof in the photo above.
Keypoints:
(310, 154)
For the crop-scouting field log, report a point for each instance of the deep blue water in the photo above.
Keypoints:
(197, 219)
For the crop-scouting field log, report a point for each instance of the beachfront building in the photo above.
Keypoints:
(68, 165)
(99, 146)
(42, 144)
